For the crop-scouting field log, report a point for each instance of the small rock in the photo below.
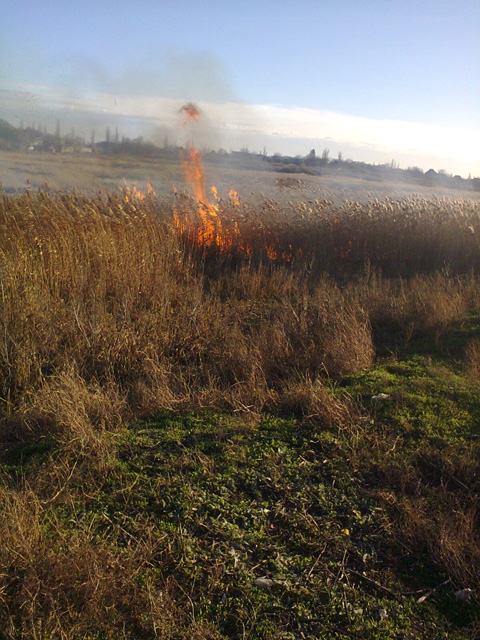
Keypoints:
(264, 583)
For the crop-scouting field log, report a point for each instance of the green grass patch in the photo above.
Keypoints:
(263, 530)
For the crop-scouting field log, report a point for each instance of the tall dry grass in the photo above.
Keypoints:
(102, 288)
(401, 237)
(107, 287)
(105, 293)
(106, 313)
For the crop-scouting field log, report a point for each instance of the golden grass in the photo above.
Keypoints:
(106, 290)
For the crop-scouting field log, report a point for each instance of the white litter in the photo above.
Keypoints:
(381, 396)
(264, 583)
(465, 594)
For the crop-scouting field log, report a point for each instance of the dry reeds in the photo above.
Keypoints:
(105, 288)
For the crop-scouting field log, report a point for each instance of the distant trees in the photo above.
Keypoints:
(311, 159)
(34, 137)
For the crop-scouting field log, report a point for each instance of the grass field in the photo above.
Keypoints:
(271, 437)
(88, 173)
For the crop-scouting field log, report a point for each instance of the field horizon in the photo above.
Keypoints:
(20, 171)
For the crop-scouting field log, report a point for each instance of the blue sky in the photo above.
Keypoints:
(375, 79)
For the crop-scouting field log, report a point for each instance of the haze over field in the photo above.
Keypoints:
(374, 81)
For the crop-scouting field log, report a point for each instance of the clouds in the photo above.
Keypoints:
(456, 144)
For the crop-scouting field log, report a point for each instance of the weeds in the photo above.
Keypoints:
(114, 522)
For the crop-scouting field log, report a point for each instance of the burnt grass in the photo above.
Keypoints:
(200, 444)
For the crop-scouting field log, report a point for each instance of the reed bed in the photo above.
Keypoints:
(108, 288)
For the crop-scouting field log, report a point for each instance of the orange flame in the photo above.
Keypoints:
(212, 228)
(208, 213)
(210, 231)
(234, 197)
(191, 111)
(132, 194)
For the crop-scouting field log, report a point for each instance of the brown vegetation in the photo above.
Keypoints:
(104, 289)
(107, 314)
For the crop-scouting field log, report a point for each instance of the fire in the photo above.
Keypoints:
(211, 227)
(210, 230)
(191, 111)
(234, 197)
(132, 194)
(208, 213)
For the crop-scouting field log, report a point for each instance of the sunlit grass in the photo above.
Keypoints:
(178, 420)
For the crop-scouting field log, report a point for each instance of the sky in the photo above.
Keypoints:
(376, 80)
